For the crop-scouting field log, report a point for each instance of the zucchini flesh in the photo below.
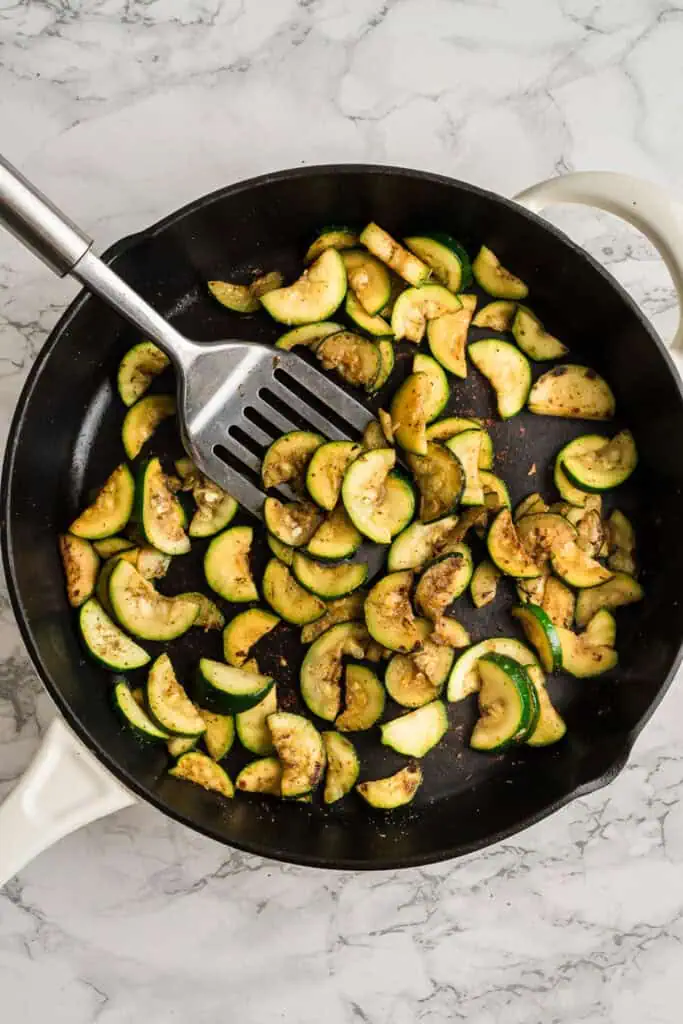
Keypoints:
(387, 361)
(328, 581)
(168, 703)
(287, 459)
(576, 568)
(152, 564)
(550, 727)
(364, 493)
(138, 368)
(215, 507)
(558, 602)
(375, 325)
(440, 479)
(396, 790)
(373, 436)
(135, 716)
(409, 413)
(621, 543)
(420, 543)
(314, 297)
(227, 690)
(226, 565)
(300, 748)
(209, 615)
(464, 678)
(179, 745)
(533, 589)
(447, 336)
(106, 642)
(528, 506)
(343, 767)
(497, 316)
(283, 552)
(286, 597)
(364, 699)
(112, 546)
(143, 611)
(219, 734)
(415, 307)
(413, 680)
(602, 629)
(508, 371)
(506, 549)
(439, 390)
(202, 771)
(142, 419)
(368, 279)
(444, 430)
(404, 263)
(355, 359)
(573, 392)
(541, 533)
(262, 776)
(615, 593)
(507, 702)
(321, 669)
(244, 632)
(495, 279)
(308, 335)
(541, 634)
(389, 613)
(326, 469)
(294, 524)
(344, 609)
(159, 511)
(81, 562)
(335, 539)
(484, 584)
(443, 261)
(252, 725)
(331, 238)
(238, 298)
(605, 467)
(111, 509)
(586, 443)
(466, 446)
(496, 494)
(417, 732)
(533, 340)
(448, 631)
(442, 582)
(583, 659)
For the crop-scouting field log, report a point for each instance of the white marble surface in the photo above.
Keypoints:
(125, 109)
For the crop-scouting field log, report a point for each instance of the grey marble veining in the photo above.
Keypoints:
(124, 110)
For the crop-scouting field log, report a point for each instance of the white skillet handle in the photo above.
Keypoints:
(64, 788)
(646, 206)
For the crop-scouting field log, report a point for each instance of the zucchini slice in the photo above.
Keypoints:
(150, 563)
(356, 359)
(110, 510)
(506, 550)
(580, 446)
(496, 494)
(404, 263)
(590, 534)
(602, 629)
(604, 467)
(375, 325)
(135, 716)
(215, 507)
(439, 391)
(219, 734)
(112, 546)
(374, 436)
(321, 669)
(159, 512)
(533, 589)
(409, 412)
(558, 602)
(138, 368)
(387, 361)
(284, 552)
(541, 633)
(493, 277)
(301, 750)
(244, 632)
(615, 593)
(541, 533)
(252, 724)
(142, 419)
(364, 699)
(533, 340)
(106, 642)
(621, 543)
(343, 767)
(328, 581)
(326, 469)
(484, 584)
(286, 460)
(168, 702)
(583, 659)
(466, 446)
(209, 615)
(81, 563)
(450, 633)
(444, 261)
(378, 503)
(396, 790)
(497, 316)
(345, 609)
(202, 771)
(420, 543)
(440, 479)
(226, 565)
(228, 690)
(577, 568)
(573, 392)
(294, 524)
(508, 704)
(368, 279)
(444, 430)
(308, 335)
(331, 238)
(413, 680)
(238, 298)
(550, 727)
(464, 678)
(508, 371)
(314, 297)
(447, 336)
(415, 307)
(262, 776)
(284, 595)
(417, 732)
(443, 582)
(389, 613)
(530, 505)
(143, 611)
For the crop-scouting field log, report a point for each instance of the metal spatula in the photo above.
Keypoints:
(234, 397)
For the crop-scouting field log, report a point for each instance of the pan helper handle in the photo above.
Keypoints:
(646, 206)
(63, 789)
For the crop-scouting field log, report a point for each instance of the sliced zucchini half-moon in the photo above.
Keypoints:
(394, 791)
(293, 523)
(106, 642)
(445, 261)
(215, 508)
(495, 279)
(541, 533)
(573, 392)
(252, 725)
(389, 613)
(415, 307)
(326, 469)
(356, 359)
(602, 468)
(421, 542)
(328, 581)
(506, 549)
(321, 669)
(135, 716)
(529, 506)
(439, 390)
(534, 341)
(508, 371)
(244, 632)
(576, 568)
(497, 315)
(368, 279)
(308, 335)
(300, 748)
(440, 479)
(168, 703)
(201, 770)
(444, 430)
(239, 298)
(583, 659)
(81, 563)
(574, 495)
(138, 368)
(343, 767)
(112, 546)
(226, 565)
(404, 263)
(496, 494)
(365, 494)
(228, 690)
(466, 446)
(376, 325)
(417, 732)
(284, 552)
(550, 727)
(314, 297)
(387, 361)
(261, 776)
(142, 419)
(344, 609)
(602, 629)
(285, 596)
(558, 602)
(209, 615)
(160, 514)
(331, 238)
(409, 412)
(143, 611)
(508, 704)
(110, 510)
(287, 459)
(443, 582)
(363, 699)
(615, 593)
(447, 336)
(413, 680)
(464, 678)
(484, 583)
(541, 633)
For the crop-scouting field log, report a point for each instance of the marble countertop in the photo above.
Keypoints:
(125, 109)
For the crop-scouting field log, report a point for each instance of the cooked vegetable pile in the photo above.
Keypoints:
(419, 483)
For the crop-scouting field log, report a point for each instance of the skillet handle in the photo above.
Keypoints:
(646, 206)
(63, 789)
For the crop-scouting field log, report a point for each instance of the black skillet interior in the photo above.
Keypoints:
(66, 439)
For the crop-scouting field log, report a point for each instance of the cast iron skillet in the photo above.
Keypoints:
(64, 441)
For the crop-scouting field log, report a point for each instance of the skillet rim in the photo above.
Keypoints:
(129, 242)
